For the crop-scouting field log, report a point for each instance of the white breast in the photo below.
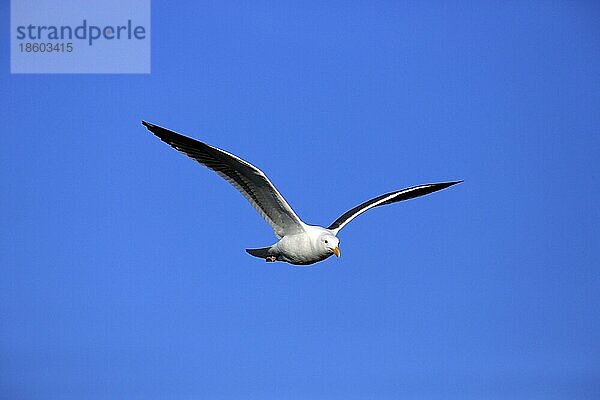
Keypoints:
(302, 248)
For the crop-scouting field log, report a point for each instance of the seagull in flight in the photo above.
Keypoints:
(299, 243)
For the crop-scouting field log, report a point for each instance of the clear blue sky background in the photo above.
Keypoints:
(123, 266)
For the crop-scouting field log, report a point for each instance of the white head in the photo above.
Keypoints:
(328, 243)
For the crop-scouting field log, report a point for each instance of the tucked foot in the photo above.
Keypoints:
(271, 259)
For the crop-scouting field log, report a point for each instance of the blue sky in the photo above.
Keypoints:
(123, 263)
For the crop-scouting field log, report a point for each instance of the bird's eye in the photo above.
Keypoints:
(326, 241)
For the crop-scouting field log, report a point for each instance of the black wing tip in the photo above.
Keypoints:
(151, 127)
(163, 134)
(444, 185)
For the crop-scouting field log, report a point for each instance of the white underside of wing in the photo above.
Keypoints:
(381, 201)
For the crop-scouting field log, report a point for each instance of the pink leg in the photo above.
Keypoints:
(271, 259)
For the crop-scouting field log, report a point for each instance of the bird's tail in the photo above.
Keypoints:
(260, 253)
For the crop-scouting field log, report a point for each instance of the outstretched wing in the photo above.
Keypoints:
(246, 178)
(389, 198)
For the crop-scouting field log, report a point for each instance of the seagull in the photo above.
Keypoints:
(299, 243)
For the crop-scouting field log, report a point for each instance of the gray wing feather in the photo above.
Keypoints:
(245, 177)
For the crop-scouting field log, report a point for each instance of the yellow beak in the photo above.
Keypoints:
(336, 251)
